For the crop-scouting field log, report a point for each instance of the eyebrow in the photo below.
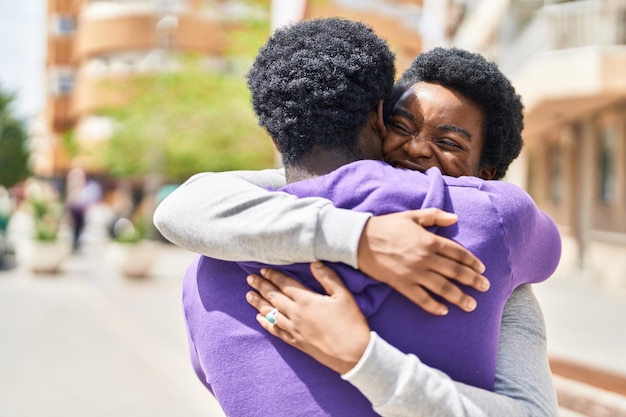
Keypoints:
(456, 129)
(448, 128)
(399, 111)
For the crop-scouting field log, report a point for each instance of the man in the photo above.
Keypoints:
(368, 146)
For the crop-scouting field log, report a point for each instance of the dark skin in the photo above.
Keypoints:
(433, 126)
(430, 126)
(414, 260)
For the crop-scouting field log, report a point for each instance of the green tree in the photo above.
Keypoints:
(183, 122)
(13, 145)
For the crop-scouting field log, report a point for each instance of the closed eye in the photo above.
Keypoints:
(448, 143)
(400, 128)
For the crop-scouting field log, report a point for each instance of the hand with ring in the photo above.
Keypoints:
(330, 328)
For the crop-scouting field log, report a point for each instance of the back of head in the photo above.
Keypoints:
(315, 82)
(482, 82)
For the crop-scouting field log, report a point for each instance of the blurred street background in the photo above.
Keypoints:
(90, 342)
(108, 105)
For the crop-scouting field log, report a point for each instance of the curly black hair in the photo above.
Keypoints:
(315, 82)
(483, 83)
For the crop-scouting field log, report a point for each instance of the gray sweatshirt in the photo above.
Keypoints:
(231, 216)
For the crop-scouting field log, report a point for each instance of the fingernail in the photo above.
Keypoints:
(250, 279)
(443, 310)
(485, 284)
(317, 264)
(470, 305)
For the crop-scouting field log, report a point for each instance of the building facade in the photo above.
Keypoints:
(566, 58)
(90, 41)
(569, 64)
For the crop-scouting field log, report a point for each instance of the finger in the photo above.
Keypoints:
(284, 283)
(424, 300)
(454, 251)
(328, 278)
(257, 301)
(433, 217)
(446, 289)
(264, 307)
(454, 270)
(269, 292)
(275, 330)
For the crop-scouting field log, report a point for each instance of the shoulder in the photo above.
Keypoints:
(503, 195)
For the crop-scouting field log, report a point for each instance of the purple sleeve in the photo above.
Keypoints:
(531, 237)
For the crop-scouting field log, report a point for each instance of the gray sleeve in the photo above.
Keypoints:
(231, 216)
(400, 385)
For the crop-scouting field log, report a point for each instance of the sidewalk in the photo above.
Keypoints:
(585, 322)
(586, 343)
(89, 342)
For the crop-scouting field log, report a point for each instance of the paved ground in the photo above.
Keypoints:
(89, 342)
(585, 322)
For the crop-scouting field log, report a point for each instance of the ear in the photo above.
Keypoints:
(377, 121)
(486, 173)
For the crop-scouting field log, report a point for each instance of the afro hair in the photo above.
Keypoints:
(482, 82)
(315, 82)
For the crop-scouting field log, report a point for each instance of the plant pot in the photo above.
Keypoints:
(42, 256)
(134, 260)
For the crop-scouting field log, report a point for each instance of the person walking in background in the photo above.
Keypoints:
(81, 194)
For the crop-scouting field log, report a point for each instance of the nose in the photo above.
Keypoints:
(418, 148)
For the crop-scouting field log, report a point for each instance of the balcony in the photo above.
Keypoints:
(105, 36)
(58, 113)
(93, 93)
(60, 51)
(569, 61)
(70, 7)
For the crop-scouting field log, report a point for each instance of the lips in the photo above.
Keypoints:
(408, 165)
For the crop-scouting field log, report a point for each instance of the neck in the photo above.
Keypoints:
(319, 162)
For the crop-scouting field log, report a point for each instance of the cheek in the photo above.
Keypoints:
(452, 165)
(393, 142)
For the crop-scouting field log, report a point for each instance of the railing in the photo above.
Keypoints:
(584, 23)
(567, 25)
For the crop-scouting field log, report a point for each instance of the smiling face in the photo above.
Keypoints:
(434, 126)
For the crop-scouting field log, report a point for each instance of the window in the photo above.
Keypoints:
(63, 25)
(62, 81)
(555, 168)
(606, 163)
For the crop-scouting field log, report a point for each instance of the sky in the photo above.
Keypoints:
(23, 53)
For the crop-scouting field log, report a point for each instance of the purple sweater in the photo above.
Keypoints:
(254, 374)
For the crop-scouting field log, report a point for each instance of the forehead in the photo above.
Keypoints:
(435, 100)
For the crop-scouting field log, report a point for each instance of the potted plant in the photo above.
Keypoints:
(45, 251)
(6, 208)
(130, 251)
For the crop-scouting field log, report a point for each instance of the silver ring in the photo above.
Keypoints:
(271, 316)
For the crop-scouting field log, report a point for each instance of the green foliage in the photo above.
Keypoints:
(45, 207)
(246, 42)
(69, 143)
(183, 122)
(13, 140)
(47, 216)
